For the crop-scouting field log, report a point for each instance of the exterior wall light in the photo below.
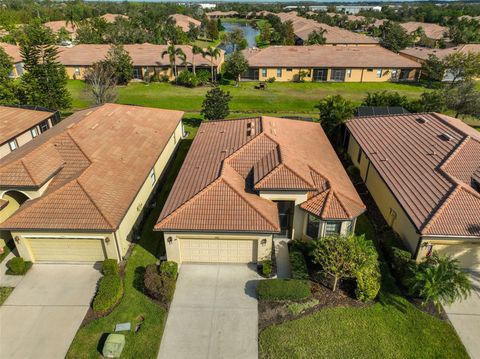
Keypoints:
(169, 240)
(263, 242)
(107, 240)
(17, 239)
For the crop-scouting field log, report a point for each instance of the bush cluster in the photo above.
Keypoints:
(170, 269)
(189, 79)
(267, 268)
(284, 289)
(17, 266)
(110, 267)
(298, 265)
(158, 286)
(109, 293)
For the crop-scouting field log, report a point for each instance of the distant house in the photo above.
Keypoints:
(111, 18)
(13, 51)
(303, 27)
(423, 172)
(329, 63)
(220, 14)
(184, 21)
(433, 32)
(247, 181)
(78, 192)
(20, 125)
(56, 26)
(147, 59)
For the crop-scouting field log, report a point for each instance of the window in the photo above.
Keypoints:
(13, 145)
(152, 176)
(136, 73)
(379, 73)
(313, 224)
(359, 156)
(394, 74)
(77, 71)
(279, 72)
(289, 69)
(34, 132)
(369, 70)
(338, 75)
(44, 126)
(332, 228)
(264, 72)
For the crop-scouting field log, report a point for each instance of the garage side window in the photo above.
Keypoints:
(313, 224)
(152, 176)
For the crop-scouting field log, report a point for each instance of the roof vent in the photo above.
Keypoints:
(421, 120)
(446, 136)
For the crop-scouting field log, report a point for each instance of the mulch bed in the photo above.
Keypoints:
(277, 312)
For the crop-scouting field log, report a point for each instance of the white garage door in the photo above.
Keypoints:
(468, 254)
(66, 249)
(218, 250)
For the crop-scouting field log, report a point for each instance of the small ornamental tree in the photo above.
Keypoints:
(215, 105)
(101, 82)
(440, 280)
(394, 37)
(236, 65)
(463, 98)
(333, 111)
(121, 62)
(433, 69)
(462, 66)
(317, 37)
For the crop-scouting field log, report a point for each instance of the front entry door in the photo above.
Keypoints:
(285, 216)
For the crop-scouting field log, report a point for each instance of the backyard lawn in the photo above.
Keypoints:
(146, 342)
(391, 328)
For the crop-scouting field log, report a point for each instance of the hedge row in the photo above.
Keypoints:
(298, 265)
(159, 286)
(109, 293)
(283, 289)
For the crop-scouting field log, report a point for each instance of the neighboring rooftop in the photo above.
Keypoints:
(229, 161)
(15, 121)
(430, 162)
(55, 26)
(432, 31)
(141, 54)
(334, 35)
(13, 51)
(217, 13)
(184, 21)
(327, 56)
(423, 52)
(93, 174)
(111, 18)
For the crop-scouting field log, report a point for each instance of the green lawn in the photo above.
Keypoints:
(4, 293)
(146, 342)
(391, 328)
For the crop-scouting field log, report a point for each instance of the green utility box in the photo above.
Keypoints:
(113, 346)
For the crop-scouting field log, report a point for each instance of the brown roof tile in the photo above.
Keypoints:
(15, 121)
(184, 21)
(428, 162)
(13, 51)
(55, 26)
(432, 31)
(423, 52)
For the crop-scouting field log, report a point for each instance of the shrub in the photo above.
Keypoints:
(368, 283)
(298, 266)
(204, 76)
(163, 78)
(297, 308)
(158, 286)
(109, 293)
(110, 267)
(267, 268)
(17, 266)
(402, 265)
(170, 269)
(271, 80)
(283, 289)
(188, 79)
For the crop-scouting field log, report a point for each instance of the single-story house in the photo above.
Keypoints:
(147, 59)
(78, 192)
(420, 54)
(431, 31)
(329, 63)
(184, 21)
(111, 18)
(219, 14)
(423, 171)
(20, 125)
(246, 181)
(334, 35)
(13, 51)
(56, 26)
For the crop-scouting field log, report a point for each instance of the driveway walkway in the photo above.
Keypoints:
(213, 313)
(465, 317)
(41, 316)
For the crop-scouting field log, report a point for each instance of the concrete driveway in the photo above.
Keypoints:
(41, 316)
(465, 317)
(213, 313)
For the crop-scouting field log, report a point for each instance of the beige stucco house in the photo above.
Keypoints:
(147, 59)
(323, 63)
(21, 125)
(423, 171)
(247, 181)
(78, 192)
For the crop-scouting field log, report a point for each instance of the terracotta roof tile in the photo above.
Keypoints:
(423, 159)
(283, 177)
(424, 52)
(15, 121)
(184, 21)
(13, 51)
(433, 31)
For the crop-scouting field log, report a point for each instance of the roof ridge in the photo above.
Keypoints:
(93, 202)
(300, 177)
(77, 145)
(28, 172)
(327, 200)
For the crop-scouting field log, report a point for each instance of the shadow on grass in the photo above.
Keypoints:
(101, 342)
(192, 121)
(138, 279)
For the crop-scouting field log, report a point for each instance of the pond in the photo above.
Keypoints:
(248, 30)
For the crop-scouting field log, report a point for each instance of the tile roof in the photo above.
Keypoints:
(222, 13)
(15, 121)
(327, 56)
(423, 52)
(55, 26)
(95, 173)
(141, 54)
(229, 161)
(13, 51)
(334, 35)
(432, 31)
(184, 21)
(111, 18)
(429, 162)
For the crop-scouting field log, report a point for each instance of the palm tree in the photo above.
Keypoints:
(183, 57)
(173, 52)
(214, 53)
(195, 51)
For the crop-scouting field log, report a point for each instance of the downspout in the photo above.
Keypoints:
(116, 246)
(368, 171)
(361, 77)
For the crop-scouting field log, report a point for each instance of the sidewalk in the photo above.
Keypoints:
(9, 280)
(281, 255)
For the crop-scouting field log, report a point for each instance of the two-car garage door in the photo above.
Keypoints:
(66, 249)
(468, 254)
(218, 250)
